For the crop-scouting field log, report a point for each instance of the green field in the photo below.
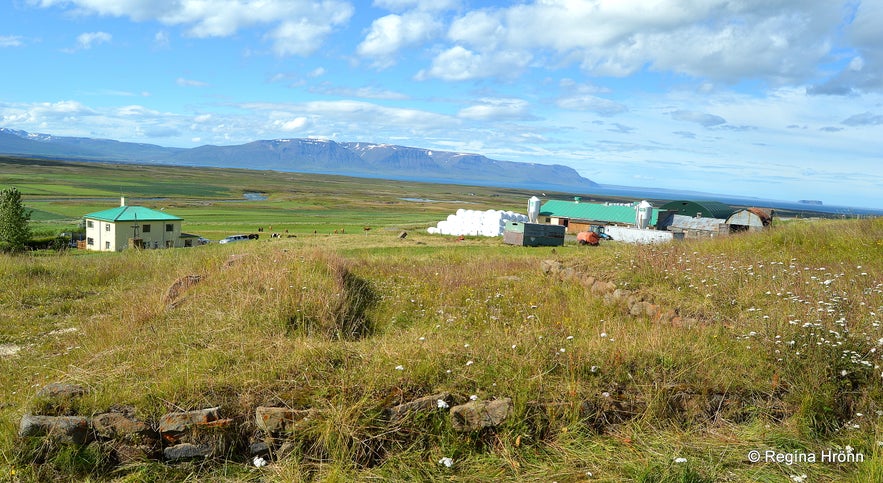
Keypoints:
(766, 342)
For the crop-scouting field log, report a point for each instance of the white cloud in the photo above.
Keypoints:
(295, 124)
(392, 33)
(11, 41)
(190, 82)
(161, 39)
(586, 102)
(716, 39)
(496, 109)
(87, 40)
(296, 27)
(701, 118)
(459, 63)
(425, 5)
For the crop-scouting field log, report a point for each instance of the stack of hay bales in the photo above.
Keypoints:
(476, 223)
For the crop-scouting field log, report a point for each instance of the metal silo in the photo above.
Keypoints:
(533, 209)
(643, 214)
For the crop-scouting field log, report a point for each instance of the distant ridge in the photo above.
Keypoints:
(308, 156)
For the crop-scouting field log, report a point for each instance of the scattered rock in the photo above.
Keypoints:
(117, 425)
(8, 350)
(61, 390)
(65, 429)
(132, 453)
(180, 286)
(551, 266)
(185, 451)
(602, 288)
(202, 427)
(421, 405)
(275, 420)
(476, 415)
(172, 423)
(259, 448)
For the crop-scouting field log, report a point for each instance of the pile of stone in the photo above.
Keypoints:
(205, 433)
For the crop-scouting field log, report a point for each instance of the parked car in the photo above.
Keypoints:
(202, 241)
(234, 238)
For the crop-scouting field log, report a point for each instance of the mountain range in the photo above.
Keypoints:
(306, 156)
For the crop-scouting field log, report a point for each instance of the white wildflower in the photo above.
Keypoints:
(442, 404)
(469, 363)
(400, 368)
(447, 462)
(473, 397)
(259, 462)
(680, 460)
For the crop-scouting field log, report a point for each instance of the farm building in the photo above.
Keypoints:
(133, 226)
(578, 216)
(699, 209)
(691, 227)
(751, 219)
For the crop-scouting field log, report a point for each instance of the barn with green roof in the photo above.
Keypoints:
(125, 226)
(579, 216)
(699, 209)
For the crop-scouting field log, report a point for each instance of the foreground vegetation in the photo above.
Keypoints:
(775, 347)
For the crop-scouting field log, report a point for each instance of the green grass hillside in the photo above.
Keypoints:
(766, 342)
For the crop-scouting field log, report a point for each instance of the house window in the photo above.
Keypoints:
(170, 227)
(107, 227)
(89, 224)
(90, 241)
(145, 229)
(107, 245)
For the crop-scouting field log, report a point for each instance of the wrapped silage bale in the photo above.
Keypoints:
(476, 223)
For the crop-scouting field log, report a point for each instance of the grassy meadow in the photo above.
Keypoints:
(775, 347)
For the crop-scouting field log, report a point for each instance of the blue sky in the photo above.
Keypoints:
(775, 99)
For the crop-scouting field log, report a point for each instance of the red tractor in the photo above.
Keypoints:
(588, 238)
(593, 236)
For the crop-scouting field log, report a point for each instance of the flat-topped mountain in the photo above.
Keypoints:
(307, 156)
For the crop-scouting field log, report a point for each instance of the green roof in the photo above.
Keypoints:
(131, 213)
(708, 209)
(593, 212)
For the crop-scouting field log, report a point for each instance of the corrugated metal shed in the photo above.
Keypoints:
(596, 212)
(691, 227)
(707, 209)
(693, 223)
(131, 213)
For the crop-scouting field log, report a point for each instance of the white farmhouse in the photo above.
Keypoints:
(133, 226)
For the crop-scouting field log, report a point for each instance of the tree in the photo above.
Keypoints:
(14, 229)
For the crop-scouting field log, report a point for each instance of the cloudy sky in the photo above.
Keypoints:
(770, 98)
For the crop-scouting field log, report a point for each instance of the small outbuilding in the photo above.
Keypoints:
(750, 219)
(133, 227)
(533, 234)
(692, 228)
